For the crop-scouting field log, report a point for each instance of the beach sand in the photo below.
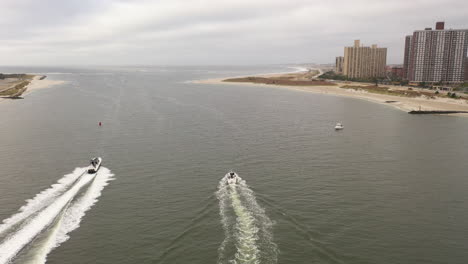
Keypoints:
(401, 102)
(37, 84)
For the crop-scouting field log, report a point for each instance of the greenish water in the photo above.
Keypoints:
(389, 188)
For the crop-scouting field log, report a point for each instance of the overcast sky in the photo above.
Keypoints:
(200, 32)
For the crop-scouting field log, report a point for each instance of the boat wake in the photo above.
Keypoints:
(41, 200)
(248, 235)
(46, 220)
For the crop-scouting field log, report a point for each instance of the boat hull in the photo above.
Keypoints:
(94, 168)
(232, 179)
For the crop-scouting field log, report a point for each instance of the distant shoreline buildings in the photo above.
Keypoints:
(432, 56)
(339, 64)
(362, 62)
(436, 56)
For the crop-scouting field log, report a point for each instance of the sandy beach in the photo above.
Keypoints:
(400, 102)
(36, 84)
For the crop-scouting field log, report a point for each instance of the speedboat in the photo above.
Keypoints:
(339, 126)
(232, 178)
(95, 165)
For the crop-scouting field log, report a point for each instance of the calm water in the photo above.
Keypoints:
(389, 188)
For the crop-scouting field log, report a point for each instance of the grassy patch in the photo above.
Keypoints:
(387, 91)
(17, 90)
(21, 76)
(282, 80)
(331, 75)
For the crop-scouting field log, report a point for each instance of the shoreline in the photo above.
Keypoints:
(402, 103)
(36, 83)
(40, 82)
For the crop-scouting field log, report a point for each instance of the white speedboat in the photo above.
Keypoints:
(232, 178)
(95, 165)
(339, 126)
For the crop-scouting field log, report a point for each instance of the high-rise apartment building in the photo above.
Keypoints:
(436, 55)
(339, 65)
(407, 56)
(466, 69)
(364, 62)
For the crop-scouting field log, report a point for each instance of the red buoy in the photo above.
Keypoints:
(100, 124)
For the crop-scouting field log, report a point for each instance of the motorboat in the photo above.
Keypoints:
(232, 178)
(339, 126)
(95, 164)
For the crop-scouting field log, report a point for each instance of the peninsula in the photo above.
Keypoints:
(408, 99)
(14, 86)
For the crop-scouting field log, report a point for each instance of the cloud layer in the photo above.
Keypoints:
(199, 32)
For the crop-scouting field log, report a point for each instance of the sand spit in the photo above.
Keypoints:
(37, 82)
(404, 103)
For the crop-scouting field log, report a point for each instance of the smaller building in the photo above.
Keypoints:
(397, 71)
(339, 65)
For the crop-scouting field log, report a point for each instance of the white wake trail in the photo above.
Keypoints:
(72, 216)
(30, 229)
(245, 221)
(268, 250)
(224, 203)
(246, 231)
(41, 200)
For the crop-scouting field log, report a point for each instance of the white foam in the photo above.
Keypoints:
(268, 250)
(41, 200)
(73, 215)
(40, 255)
(223, 198)
(245, 221)
(246, 231)
(34, 226)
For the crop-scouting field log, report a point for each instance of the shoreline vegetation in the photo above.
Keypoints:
(408, 99)
(307, 78)
(14, 86)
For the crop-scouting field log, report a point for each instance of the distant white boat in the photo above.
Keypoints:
(339, 126)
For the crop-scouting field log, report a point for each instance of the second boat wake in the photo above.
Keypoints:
(248, 234)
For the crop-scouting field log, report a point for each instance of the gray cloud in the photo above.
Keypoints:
(210, 31)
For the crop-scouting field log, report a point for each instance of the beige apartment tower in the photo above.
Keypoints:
(339, 65)
(364, 62)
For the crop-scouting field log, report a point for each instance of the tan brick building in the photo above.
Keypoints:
(364, 62)
(339, 65)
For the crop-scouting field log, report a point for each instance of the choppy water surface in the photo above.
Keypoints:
(389, 188)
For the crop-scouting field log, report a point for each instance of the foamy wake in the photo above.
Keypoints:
(248, 235)
(41, 200)
(66, 210)
(72, 216)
